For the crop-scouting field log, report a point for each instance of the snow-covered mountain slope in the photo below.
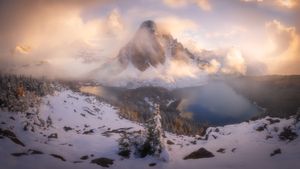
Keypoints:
(70, 130)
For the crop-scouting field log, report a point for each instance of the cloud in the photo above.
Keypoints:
(176, 25)
(64, 34)
(280, 36)
(24, 49)
(224, 61)
(213, 67)
(288, 4)
(114, 22)
(176, 3)
(202, 4)
(284, 54)
(55, 31)
(234, 62)
(233, 31)
(252, 0)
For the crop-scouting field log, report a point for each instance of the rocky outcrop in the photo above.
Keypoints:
(275, 152)
(200, 153)
(58, 157)
(288, 134)
(104, 162)
(11, 135)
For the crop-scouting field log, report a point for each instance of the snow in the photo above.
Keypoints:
(252, 149)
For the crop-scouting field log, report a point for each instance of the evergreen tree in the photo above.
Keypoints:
(154, 140)
(124, 146)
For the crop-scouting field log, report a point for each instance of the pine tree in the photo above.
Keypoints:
(124, 146)
(154, 141)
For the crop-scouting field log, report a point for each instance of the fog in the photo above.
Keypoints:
(215, 103)
(81, 40)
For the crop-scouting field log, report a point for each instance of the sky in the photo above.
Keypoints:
(70, 38)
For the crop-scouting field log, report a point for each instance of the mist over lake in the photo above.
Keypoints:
(216, 103)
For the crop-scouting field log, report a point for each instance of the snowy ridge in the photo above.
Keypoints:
(88, 128)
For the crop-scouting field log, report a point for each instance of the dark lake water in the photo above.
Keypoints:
(215, 104)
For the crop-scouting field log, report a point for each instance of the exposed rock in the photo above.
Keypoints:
(53, 135)
(73, 97)
(288, 134)
(152, 164)
(35, 151)
(269, 137)
(75, 162)
(88, 110)
(117, 131)
(276, 151)
(49, 121)
(170, 142)
(233, 150)
(85, 157)
(261, 128)
(11, 135)
(125, 153)
(58, 156)
(193, 142)
(221, 150)
(104, 162)
(144, 50)
(272, 121)
(91, 131)
(200, 153)
(19, 154)
(67, 128)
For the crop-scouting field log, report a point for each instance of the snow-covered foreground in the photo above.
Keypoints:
(69, 130)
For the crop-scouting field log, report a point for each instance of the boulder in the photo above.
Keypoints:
(200, 153)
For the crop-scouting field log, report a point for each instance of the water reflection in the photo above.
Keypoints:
(217, 104)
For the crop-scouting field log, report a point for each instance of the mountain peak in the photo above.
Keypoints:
(149, 48)
(149, 25)
(145, 49)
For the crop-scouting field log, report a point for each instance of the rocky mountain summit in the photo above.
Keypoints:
(152, 47)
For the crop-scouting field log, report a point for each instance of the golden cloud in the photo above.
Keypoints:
(177, 26)
(284, 57)
(234, 62)
(57, 33)
(23, 49)
(202, 4)
(289, 4)
(280, 36)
